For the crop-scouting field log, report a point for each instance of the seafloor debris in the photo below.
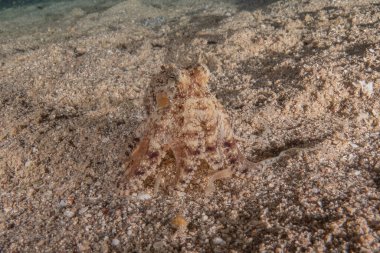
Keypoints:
(179, 222)
(187, 138)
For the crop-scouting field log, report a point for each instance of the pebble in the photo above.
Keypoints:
(234, 214)
(31, 192)
(218, 241)
(143, 196)
(158, 245)
(79, 51)
(377, 167)
(69, 213)
(83, 210)
(62, 203)
(115, 242)
(84, 246)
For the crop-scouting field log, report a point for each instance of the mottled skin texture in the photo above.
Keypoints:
(186, 119)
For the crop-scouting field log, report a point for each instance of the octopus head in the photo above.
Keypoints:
(193, 81)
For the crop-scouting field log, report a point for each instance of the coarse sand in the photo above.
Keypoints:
(299, 79)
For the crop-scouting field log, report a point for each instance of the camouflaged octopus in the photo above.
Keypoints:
(186, 121)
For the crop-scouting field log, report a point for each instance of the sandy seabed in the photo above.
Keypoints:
(299, 79)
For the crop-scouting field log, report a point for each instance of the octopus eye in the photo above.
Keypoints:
(153, 155)
(140, 172)
(196, 152)
(189, 169)
(210, 148)
(228, 144)
(233, 160)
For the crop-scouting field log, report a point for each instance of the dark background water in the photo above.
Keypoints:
(16, 3)
(243, 4)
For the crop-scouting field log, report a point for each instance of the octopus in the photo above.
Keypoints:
(187, 138)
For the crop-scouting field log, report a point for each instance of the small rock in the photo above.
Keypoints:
(28, 163)
(234, 214)
(70, 200)
(115, 242)
(377, 167)
(218, 241)
(83, 210)
(84, 246)
(181, 194)
(79, 51)
(69, 213)
(31, 192)
(158, 245)
(143, 196)
(62, 203)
